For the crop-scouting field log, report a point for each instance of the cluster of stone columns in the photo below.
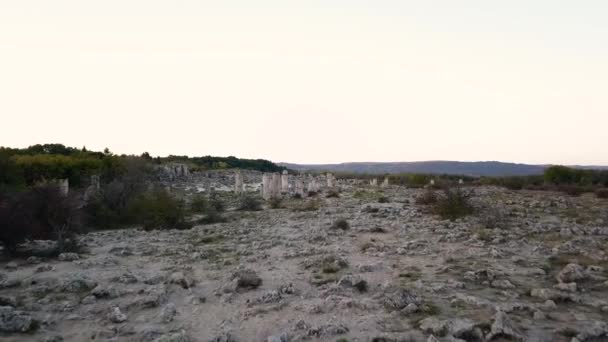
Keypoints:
(331, 180)
(276, 184)
(272, 184)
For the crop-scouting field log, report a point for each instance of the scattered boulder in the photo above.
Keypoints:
(503, 327)
(571, 273)
(14, 321)
(168, 313)
(116, 316)
(180, 279)
(246, 280)
(400, 299)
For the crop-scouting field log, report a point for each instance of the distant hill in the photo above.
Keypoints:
(484, 168)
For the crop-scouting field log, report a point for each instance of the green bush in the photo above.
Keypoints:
(341, 224)
(333, 194)
(310, 205)
(199, 204)
(216, 203)
(42, 213)
(275, 203)
(159, 210)
(453, 204)
(250, 203)
(384, 199)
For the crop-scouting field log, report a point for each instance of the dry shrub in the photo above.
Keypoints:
(341, 224)
(453, 204)
(601, 193)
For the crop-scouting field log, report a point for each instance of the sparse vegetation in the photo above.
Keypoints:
(159, 210)
(275, 203)
(341, 224)
(332, 194)
(601, 193)
(453, 204)
(309, 205)
(384, 199)
(40, 213)
(250, 203)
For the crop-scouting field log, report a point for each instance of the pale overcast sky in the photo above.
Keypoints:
(310, 81)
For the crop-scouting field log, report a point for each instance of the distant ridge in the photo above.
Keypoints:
(477, 169)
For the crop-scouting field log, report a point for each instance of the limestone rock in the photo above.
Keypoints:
(14, 321)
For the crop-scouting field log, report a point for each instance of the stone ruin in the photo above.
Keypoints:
(331, 180)
(373, 182)
(93, 188)
(299, 187)
(285, 182)
(238, 182)
(385, 182)
(174, 171)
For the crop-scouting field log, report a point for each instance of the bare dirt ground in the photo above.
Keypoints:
(531, 266)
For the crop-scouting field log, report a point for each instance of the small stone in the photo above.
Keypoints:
(168, 313)
(570, 287)
(538, 315)
(180, 279)
(571, 273)
(13, 321)
(68, 257)
(44, 268)
(502, 284)
(247, 279)
(116, 316)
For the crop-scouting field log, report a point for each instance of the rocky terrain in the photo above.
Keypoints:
(369, 265)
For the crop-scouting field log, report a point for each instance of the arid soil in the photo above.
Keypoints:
(527, 266)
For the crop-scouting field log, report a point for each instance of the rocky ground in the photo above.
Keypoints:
(530, 266)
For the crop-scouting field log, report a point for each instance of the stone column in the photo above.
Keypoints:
(374, 182)
(64, 187)
(331, 181)
(285, 182)
(95, 182)
(238, 183)
(276, 185)
(299, 187)
(385, 182)
(266, 186)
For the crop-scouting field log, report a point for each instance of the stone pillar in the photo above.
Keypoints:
(276, 185)
(331, 181)
(432, 182)
(95, 182)
(385, 182)
(64, 187)
(374, 182)
(238, 182)
(266, 185)
(313, 186)
(285, 182)
(299, 187)
(460, 181)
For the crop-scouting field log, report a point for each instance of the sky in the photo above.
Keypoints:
(315, 81)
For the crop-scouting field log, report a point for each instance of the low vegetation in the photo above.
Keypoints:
(41, 212)
(453, 204)
(249, 202)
